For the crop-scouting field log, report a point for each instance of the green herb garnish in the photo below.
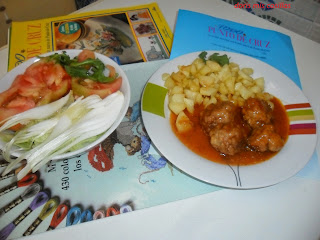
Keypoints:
(90, 68)
(221, 59)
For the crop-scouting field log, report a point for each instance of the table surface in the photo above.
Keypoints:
(288, 210)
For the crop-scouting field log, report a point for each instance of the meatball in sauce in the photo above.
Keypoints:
(229, 134)
(256, 112)
(232, 129)
(224, 124)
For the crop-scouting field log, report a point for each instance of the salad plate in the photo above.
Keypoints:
(292, 158)
(7, 80)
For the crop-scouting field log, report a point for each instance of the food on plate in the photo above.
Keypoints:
(222, 113)
(47, 115)
(41, 83)
(52, 77)
(144, 28)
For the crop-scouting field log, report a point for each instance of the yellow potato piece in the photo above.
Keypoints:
(205, 82)
(183, 123)
(176, 107)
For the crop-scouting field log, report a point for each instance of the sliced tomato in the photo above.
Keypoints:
(22, 103)
(17, 105)
(58, 91)
(42, 83)
(86, 54)
(88, 87)
(46, 72)
(7, 96)
(112, 70)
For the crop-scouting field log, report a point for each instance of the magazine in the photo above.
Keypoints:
(127, 35)
(211, 33)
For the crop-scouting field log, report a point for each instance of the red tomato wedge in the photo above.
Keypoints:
(87, 87)
(86, 54)
(42, 83)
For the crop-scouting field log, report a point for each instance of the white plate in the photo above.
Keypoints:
(6, 81)
(292, 158)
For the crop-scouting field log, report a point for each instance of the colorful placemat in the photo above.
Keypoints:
(125, 173)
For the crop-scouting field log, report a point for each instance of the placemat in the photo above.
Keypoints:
(125, 173)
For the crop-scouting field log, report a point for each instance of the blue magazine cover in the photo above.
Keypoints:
(197, 32)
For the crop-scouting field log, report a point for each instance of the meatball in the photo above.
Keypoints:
(228, 138)
(256, 112)
(215, 114)
(265, 139)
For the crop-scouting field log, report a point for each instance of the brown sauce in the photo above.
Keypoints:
(198, 142)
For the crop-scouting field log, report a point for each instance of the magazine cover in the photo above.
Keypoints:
(127, 35)
(213, 33)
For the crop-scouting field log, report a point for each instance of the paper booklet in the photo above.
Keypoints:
(128, 35)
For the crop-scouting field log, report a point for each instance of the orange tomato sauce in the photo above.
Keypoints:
(198, 142)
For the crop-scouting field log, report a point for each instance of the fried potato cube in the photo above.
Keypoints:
(165, 76)
(186, 70)
(185, 82)
(176, 89)
(183, 123)
(206, 81)
(208, 91)
(190, 94)
(176, 107)
(247, 71)
(177, 98)
(234, 67)
(199, 63)
(215, 77)
(243, 75)
(215, 67)
(205, 70)
(193, 69)
(223, 97)
(224, 72)
(169, 83)
(265, 96)
(223, 89)
(207, 101)
(194, 85)
(245, 93)
(178, 76)
(238, 86)
(256, 89)
(248, 82)
(199, 99)
(189, 104)
(260, 82)
(230, 84)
